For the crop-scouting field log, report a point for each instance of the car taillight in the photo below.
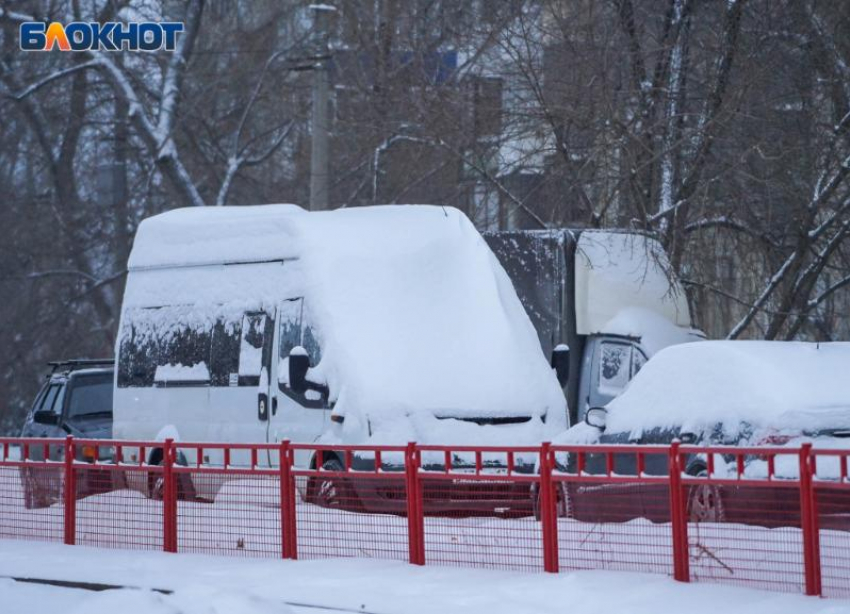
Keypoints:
(771, 440)
(774, 440)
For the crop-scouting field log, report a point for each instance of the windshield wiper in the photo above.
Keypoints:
(91, 414)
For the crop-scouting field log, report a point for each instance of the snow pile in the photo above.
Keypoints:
(412, 310)
(784, 386)
(616, 270)
(221, 585)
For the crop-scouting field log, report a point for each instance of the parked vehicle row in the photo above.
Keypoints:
(385, 325)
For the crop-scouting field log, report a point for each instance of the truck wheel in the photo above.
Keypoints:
(563, 507)
(332, 491)
(705, 503)
(156, 485)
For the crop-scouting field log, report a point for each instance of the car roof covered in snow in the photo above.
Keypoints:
(413, 310)
(779, 385)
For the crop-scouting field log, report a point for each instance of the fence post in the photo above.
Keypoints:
(288, 526)
(70, 493)
(548, 511)
(415, 507)
(809, 523)
(169, 499)
(678, 517)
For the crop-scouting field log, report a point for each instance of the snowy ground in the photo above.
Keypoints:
(211, 585)
(244, 522)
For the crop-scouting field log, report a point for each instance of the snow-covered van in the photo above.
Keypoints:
(602, 302)
(365, 325)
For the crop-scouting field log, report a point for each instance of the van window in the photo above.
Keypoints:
(183, 340)
(289, 316)
(224, 351)
(311, 344)
(295, 328)
(252, 348)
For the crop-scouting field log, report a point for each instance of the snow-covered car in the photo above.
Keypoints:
(76, 399)
(740, 393)
(369, 325)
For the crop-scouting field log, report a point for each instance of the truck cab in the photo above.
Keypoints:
(602, 303)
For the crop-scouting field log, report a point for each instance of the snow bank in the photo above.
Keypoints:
(413, 311)
(790, 386)
(219, 585)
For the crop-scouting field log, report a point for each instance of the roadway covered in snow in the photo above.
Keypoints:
(219, 585)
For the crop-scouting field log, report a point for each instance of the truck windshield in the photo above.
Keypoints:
(90, 395)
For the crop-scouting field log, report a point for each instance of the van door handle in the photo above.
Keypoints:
(263, 407)
(274, 405)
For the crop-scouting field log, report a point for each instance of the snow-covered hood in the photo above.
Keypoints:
(413, 311)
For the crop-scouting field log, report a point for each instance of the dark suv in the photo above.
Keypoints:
(75, 400)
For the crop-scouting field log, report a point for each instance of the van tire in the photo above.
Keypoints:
(563, 505)
(705, 503)
(156, 480)
(332, 492)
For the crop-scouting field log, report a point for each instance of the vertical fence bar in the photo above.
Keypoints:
(288, 525)
(548, 511)
(169, 499)
(678, 517)
(809, 523)
(70, 493)
(415, 507)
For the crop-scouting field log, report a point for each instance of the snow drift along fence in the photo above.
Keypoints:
(775, 518)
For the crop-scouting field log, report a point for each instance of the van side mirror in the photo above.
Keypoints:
(299, 362)
(561, 363)
(596, 417)
(46, 417)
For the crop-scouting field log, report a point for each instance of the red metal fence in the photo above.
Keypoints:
(774, 518)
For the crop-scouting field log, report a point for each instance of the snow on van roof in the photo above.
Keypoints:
(216, 235)
(413, 310)
(779, 385)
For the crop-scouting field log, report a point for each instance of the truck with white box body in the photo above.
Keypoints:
(602, 302)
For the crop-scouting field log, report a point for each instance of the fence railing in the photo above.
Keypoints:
(769, 517)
